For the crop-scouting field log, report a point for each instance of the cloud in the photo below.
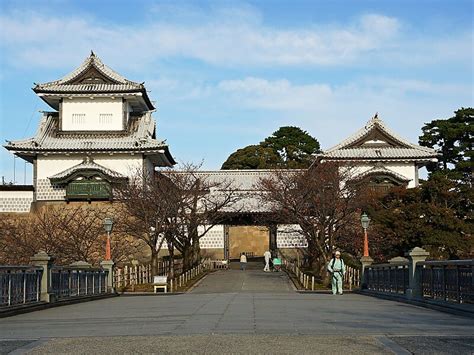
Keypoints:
(331, 112)
(276, 94)
(284, 95)
(224, 36)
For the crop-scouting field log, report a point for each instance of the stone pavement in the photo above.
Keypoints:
(253, 279)
(240, 312)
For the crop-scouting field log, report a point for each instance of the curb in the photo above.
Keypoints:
(133, 294)
(20, 309)
(325, 292)
(437, 306)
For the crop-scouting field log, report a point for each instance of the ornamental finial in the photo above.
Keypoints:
(92, 53)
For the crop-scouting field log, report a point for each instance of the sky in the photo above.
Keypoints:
(226, 74)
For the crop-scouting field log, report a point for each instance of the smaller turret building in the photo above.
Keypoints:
(381, 155)
(100, 132)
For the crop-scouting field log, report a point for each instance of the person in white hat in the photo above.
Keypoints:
(267, 255)
(337, 269)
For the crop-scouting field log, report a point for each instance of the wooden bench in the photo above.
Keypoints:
(160, 282)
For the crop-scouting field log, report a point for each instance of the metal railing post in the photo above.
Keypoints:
(24, 286)
(9, 288)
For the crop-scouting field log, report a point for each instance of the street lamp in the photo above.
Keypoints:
(108, 224)
(365, 220)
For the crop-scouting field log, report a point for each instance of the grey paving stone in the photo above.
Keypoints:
(230, 302)
(7, 346)
(216, 344)
(437, 345)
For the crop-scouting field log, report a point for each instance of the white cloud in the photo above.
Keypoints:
(224, 36)
(275, 95)
(331, 112)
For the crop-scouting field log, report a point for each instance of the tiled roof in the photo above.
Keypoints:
(91, 61)
(400, 149)
(242, 180)
(245, 182)
(138, 138)
(85, 88)
(378, 153)
(87, 164)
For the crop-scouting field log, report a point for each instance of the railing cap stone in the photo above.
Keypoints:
(41, 256)
(81, 265)
(398, 260)
(417, 252)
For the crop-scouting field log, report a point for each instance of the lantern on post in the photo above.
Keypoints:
(365, 220)
(108, 225)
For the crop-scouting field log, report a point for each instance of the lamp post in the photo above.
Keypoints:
(108, 224)
(365, 220)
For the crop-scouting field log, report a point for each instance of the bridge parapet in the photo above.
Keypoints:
(415, 278)
(44, 283)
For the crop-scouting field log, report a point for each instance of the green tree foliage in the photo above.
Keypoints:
(453, 138)
(426, 216)
(252, 157)
(287, 148)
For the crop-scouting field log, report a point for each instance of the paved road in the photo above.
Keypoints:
(252, 280)
(248, 312)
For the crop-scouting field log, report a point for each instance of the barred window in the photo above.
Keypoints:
(105, 118)
(78, 118)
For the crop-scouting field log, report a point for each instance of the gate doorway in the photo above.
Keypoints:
(251, 240)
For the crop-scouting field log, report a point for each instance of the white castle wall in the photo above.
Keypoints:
(48, 166)
(213, 239)
(289, 236)
(15, 201)
(97, 114)
(408, 170)
(124, 164)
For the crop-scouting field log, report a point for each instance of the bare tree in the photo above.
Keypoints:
(322, 201)
(147, 210)
(203, 201)
(67, 232)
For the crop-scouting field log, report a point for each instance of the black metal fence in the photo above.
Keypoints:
(390, 278)
(67, 282)
(447, 280)
(19, 285)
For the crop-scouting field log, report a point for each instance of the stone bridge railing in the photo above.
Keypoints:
(43, 282)
(415, 278)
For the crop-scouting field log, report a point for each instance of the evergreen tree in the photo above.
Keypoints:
(453, 139)
(287, 148)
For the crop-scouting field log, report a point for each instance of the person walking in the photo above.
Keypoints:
(267, 255)
(243, 261)
(337, 269)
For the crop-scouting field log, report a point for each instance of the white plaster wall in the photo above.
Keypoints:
(289, 236)
(124, 164)
(92, 108)
(408, 170)
(149, 166)
(16, 194)
(16, 201)
(127, 165)
(50, 165)
(213, 239)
